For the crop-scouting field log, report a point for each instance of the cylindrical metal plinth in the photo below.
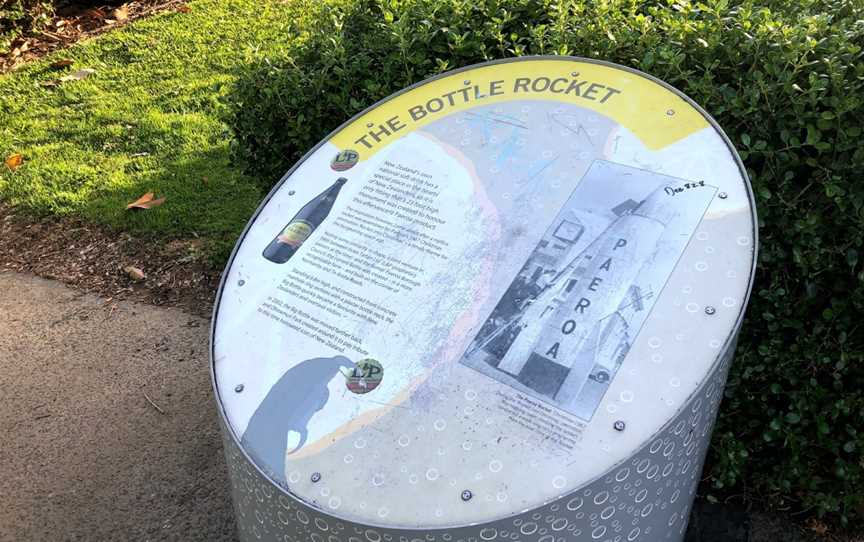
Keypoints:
(500, 305)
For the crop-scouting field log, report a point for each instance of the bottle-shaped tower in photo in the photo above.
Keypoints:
(299, 228)
(554, 355)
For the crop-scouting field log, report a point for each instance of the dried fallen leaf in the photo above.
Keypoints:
(121, 14)
(77, 76)
(145, 202)
(817, 527)
(134, 273)
(184, 9)
(95, 13)
(62, 63)
(20, 49)
(14, 161)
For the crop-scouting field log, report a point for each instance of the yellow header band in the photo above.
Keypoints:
(655, 114)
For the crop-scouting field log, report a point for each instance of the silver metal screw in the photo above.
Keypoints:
(574, 74)
(291, 192)
(670, 112)
(316, 477)
(619, 425)
(238, 388)
(722, 195)
(709, 310)
(241, 282)
(466, 495)
(466, 82)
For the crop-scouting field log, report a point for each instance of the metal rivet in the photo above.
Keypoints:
(291, 192)
(466, 82)
(670, 112)
(574, 74)
(466, 495)
(238, 388)
(369, 125)
(241, 282)
(619, 425)
(722, 195)
(710, 310)
(316, 477)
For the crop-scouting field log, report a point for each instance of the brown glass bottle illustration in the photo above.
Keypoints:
(303, 224)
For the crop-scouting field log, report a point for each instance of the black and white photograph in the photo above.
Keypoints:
(564, 326)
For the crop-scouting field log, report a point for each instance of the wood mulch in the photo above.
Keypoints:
(84, 255)
(73, 22)
(96, 259)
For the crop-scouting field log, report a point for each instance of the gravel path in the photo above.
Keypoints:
(84, 455)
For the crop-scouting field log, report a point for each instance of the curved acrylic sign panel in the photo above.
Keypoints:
(450, 309)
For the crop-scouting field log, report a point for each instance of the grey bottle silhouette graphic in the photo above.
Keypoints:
(288, 406)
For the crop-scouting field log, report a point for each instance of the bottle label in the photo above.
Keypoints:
(295, 233)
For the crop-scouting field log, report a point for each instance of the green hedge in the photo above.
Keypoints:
(785, 80)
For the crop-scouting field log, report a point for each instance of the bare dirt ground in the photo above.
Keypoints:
(84, 453)
(76, 20)
(93, 259)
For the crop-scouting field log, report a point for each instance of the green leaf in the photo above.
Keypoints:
(813, 134)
